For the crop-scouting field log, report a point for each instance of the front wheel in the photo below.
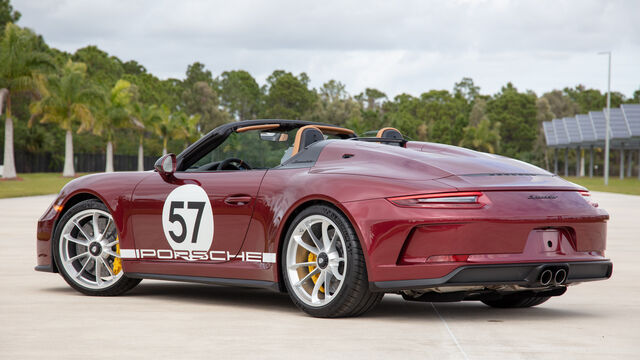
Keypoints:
(86, 251)
(323, 265)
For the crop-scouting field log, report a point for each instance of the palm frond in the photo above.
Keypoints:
(82, 113)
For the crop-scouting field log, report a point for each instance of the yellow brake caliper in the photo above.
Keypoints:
(314, 278)
(117, 263)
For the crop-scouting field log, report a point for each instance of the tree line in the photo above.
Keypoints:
(92, 102)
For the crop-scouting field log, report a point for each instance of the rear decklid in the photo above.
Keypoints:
(477, 170)
(455, 166)
(460, 161)
(508, 182)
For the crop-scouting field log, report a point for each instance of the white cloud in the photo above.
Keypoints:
(409, 46)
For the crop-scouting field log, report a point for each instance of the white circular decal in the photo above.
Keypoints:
(187, 219)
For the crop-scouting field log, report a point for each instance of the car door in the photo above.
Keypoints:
(195, 216)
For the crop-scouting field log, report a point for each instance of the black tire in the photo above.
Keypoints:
(354, 297)
(120, 286)
(516, 301)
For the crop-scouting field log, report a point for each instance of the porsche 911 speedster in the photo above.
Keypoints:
(333, 219)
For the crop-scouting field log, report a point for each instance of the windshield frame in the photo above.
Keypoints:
(217, 137)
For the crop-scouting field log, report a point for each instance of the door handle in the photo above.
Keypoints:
(238, 200)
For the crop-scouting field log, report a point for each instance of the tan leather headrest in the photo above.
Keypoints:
(389, 133)
(306, 136)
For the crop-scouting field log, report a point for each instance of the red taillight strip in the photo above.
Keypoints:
(587, 196)
(439, 195)
(450, 200)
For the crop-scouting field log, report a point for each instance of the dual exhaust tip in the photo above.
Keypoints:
(548, 277)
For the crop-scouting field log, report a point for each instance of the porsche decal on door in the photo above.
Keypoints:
(213, 255)
(187, 222)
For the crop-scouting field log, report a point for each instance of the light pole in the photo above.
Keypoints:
(606, 137)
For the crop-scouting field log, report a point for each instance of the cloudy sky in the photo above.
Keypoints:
(395, 46)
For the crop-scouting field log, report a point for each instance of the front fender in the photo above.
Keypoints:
(112, 189)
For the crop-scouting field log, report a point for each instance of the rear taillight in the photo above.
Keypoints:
(587, 196)
(454, 200)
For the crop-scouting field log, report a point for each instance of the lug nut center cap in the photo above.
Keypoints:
(95, 249)
(323, 260)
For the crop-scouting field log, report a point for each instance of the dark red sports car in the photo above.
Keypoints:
(333, 219)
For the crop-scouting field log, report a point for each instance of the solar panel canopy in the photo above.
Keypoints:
(632, 115)
(560, 131)
(589, 129)
(599, 124)
(549, 134)
(618, 125)
(573, 131)
(586, 128)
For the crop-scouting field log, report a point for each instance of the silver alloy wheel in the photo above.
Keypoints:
(88, 249)
(316, 260)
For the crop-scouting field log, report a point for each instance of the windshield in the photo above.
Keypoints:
(261, 150)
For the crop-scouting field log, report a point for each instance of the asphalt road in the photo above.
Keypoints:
(41, 317)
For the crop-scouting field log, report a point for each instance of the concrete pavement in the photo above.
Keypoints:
(42, 317)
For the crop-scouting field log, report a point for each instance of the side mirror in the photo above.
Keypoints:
(166, 165)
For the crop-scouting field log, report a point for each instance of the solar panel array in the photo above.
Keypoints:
(573, 131)
(619, 127)
(560, 131)
(632, 114)
(599, 123)
(589, 129)
(549, 133)
(586, 128)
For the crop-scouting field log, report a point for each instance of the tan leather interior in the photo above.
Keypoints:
(381, 132)
(298, 142)
(332, 130)
(258, 127)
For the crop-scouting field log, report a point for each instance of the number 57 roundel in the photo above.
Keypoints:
(187, 219)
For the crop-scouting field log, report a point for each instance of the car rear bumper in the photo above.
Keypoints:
(401, 243)
(523, 274)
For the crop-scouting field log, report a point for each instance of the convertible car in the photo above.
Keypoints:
(332, 219)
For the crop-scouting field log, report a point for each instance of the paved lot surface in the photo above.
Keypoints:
(41, 317)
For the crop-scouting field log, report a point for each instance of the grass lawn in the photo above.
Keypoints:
(33, 184)
(626, 186)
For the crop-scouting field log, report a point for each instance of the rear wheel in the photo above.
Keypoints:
(86, 251)
(516, 301)
(323, 265)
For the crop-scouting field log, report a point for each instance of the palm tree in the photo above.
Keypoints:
(113, 115)
(167, 126)
(67, 103)
(21, 67)
(189, 129)
(483, 137)
(144, 119)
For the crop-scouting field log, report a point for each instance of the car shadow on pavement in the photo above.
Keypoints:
(213, 294)
(392, 307)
